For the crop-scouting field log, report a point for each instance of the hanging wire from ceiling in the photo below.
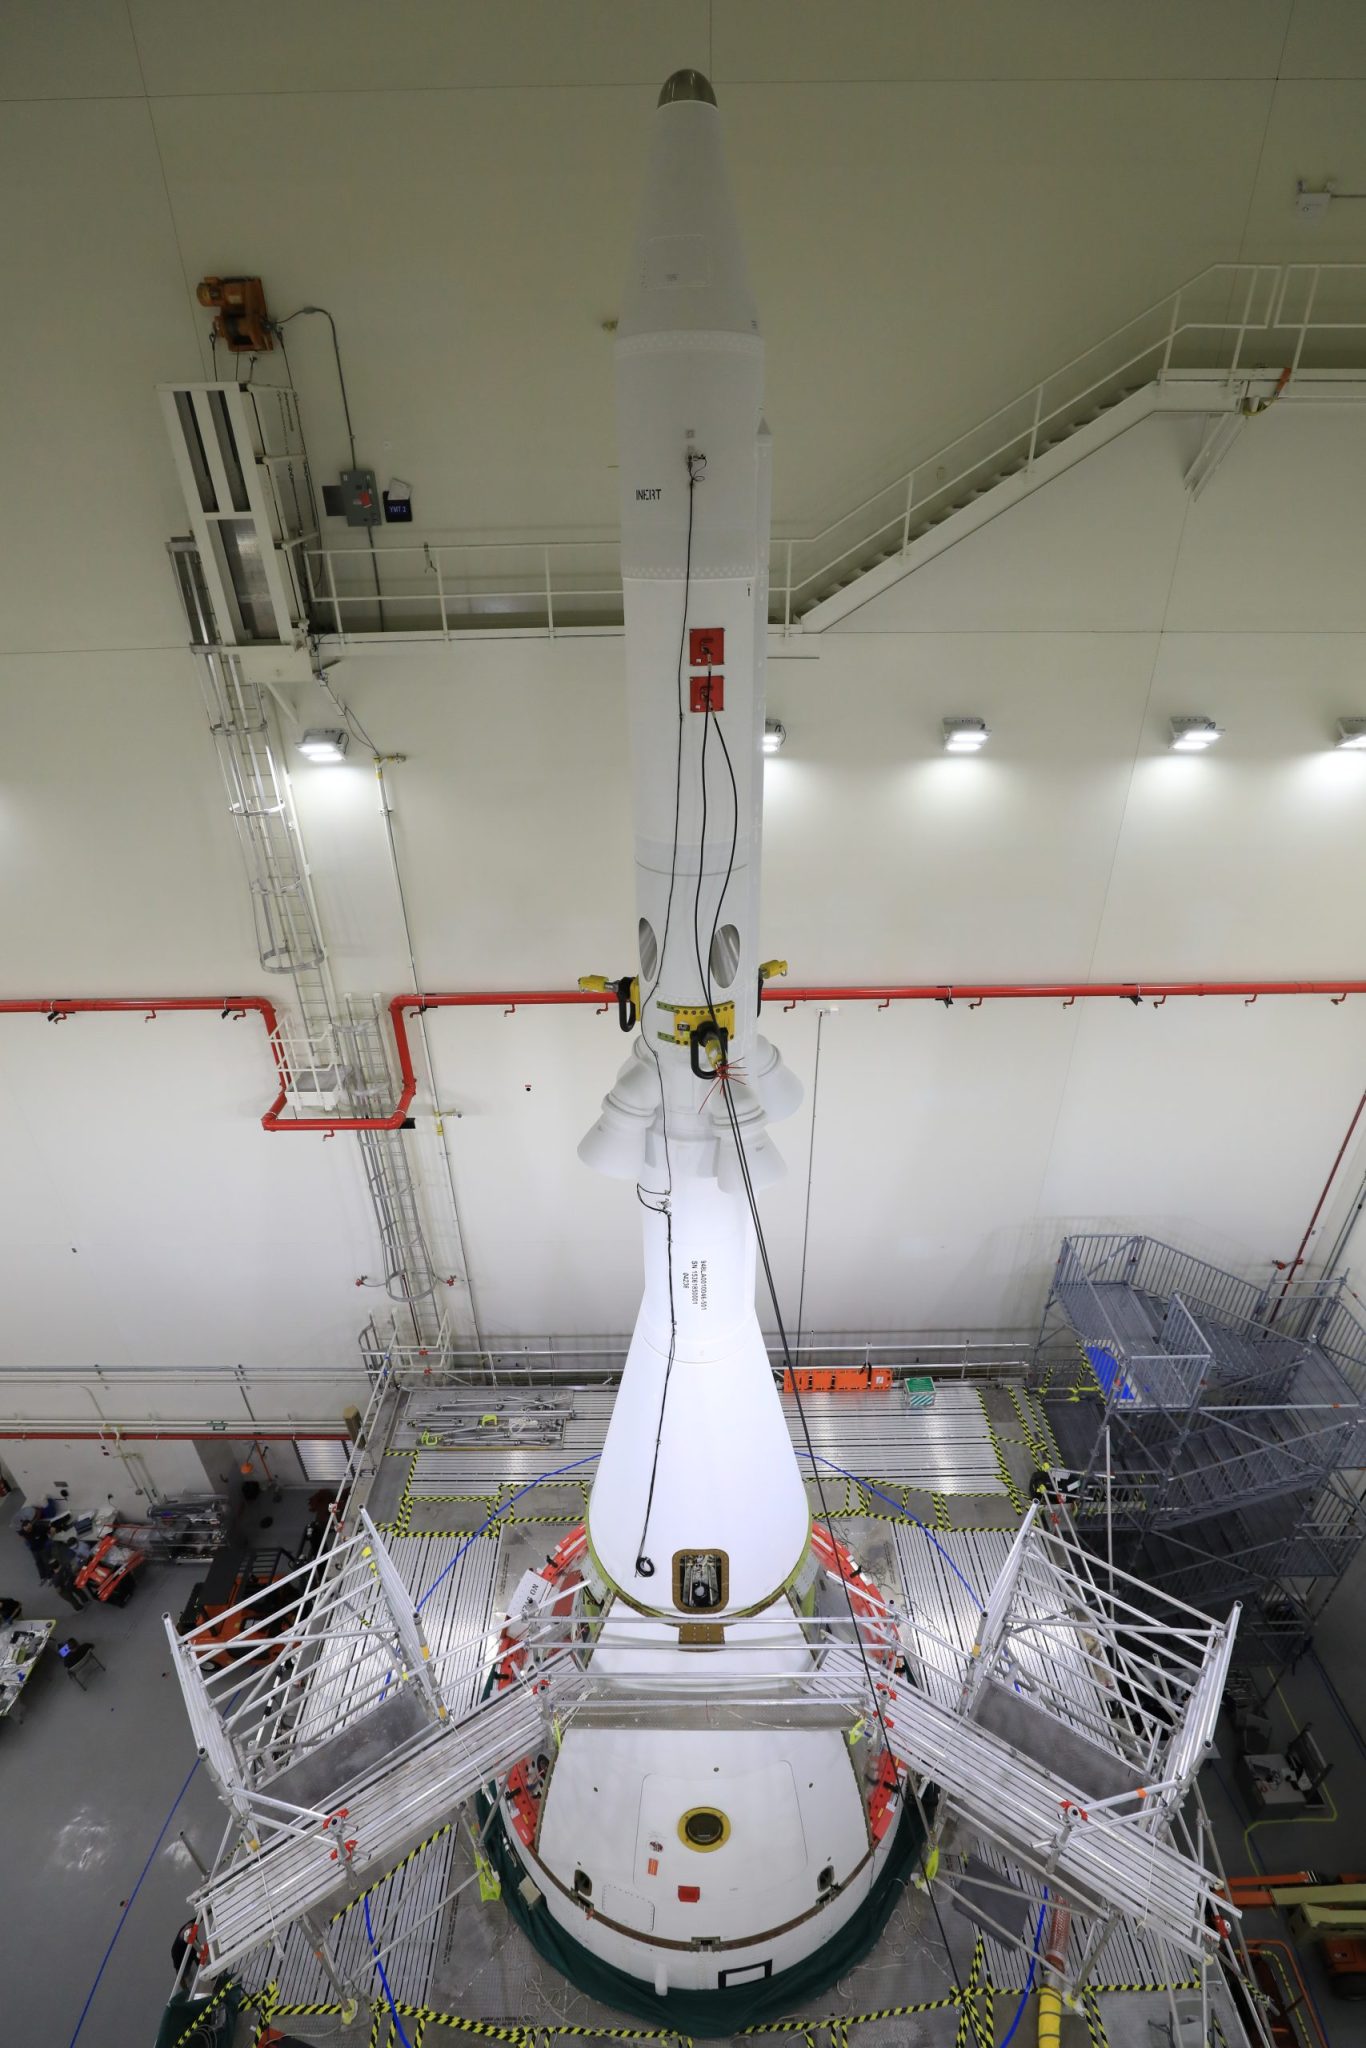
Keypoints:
(300, 313)
(810, 1167)
(725, 1078)
(645, 1567)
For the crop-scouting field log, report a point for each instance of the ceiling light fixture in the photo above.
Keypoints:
(775, 736)
(965, 735)
(1352, 733)
(1193, 735)
(324, 744)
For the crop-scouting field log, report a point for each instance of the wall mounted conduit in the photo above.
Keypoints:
(58, 1008)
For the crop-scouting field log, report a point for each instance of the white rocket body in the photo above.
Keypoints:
(698, 1464)
(690, 366)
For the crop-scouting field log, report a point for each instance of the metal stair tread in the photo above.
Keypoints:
(391, 1806)
(1010, 1800)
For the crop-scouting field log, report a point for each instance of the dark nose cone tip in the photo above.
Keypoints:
(687, 85)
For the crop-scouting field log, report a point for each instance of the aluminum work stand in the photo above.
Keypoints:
(1215, 1424)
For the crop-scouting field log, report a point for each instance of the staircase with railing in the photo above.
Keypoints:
(1229, 1417)
(1219, 343)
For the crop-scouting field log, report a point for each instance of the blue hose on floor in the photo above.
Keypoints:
(1029, 1980)
(128, 1905)
(498, 1514)
(475, 1534)
(383, 1974)
(904, 1512)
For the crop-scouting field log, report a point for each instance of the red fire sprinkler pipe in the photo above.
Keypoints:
(57, 1008)
(113, 1433)
(1293, 1268)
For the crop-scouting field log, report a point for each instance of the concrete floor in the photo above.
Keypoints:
(1320, 1844)
(87, 1779)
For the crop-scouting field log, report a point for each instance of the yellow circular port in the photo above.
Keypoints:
(702, 1827)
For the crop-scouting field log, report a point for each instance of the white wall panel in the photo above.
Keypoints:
(96, 1479)
(1094, 550)
(145, 1216)
(46, 53)
(927, 240)
(90, 256)
(952, 1147)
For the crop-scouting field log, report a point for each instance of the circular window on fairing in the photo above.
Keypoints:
(725, 955)
(649, 949)
(702, 1827)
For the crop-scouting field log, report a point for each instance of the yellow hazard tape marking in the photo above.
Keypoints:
(1095, 2026)
(269, 2007)
(970, 2021)
(203, 2013)
(976, 2020)
(1002, 1462)
(402, 1864)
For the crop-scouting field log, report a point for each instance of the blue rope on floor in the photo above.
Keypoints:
(128, 1905)
(383, 1975)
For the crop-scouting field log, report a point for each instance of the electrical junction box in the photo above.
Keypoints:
(707, 693)
(706, 646)
(360, 497)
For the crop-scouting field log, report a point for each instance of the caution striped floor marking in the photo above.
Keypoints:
(402, 1864)
(1084, 1378)
(969, 2021)
(1095, 2026)
(975, 2004)
(1002, 1463)
(197, 2022)
(854, 2019)
(1184, 1984)
(1033, 1436)
(269, 2008)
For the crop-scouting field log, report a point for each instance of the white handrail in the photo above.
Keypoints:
(1219, 313)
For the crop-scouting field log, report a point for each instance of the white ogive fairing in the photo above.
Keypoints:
(697, 1582)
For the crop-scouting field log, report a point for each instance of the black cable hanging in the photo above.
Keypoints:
(810, 1174)
(645, 1567)
(300, 313)
(733, 1117)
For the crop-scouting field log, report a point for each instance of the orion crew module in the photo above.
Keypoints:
(706, 1841)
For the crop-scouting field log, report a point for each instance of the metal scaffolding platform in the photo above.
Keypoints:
(367, 1824)
(1060, 1721)
(1067, 1728)
(1230, 1416)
